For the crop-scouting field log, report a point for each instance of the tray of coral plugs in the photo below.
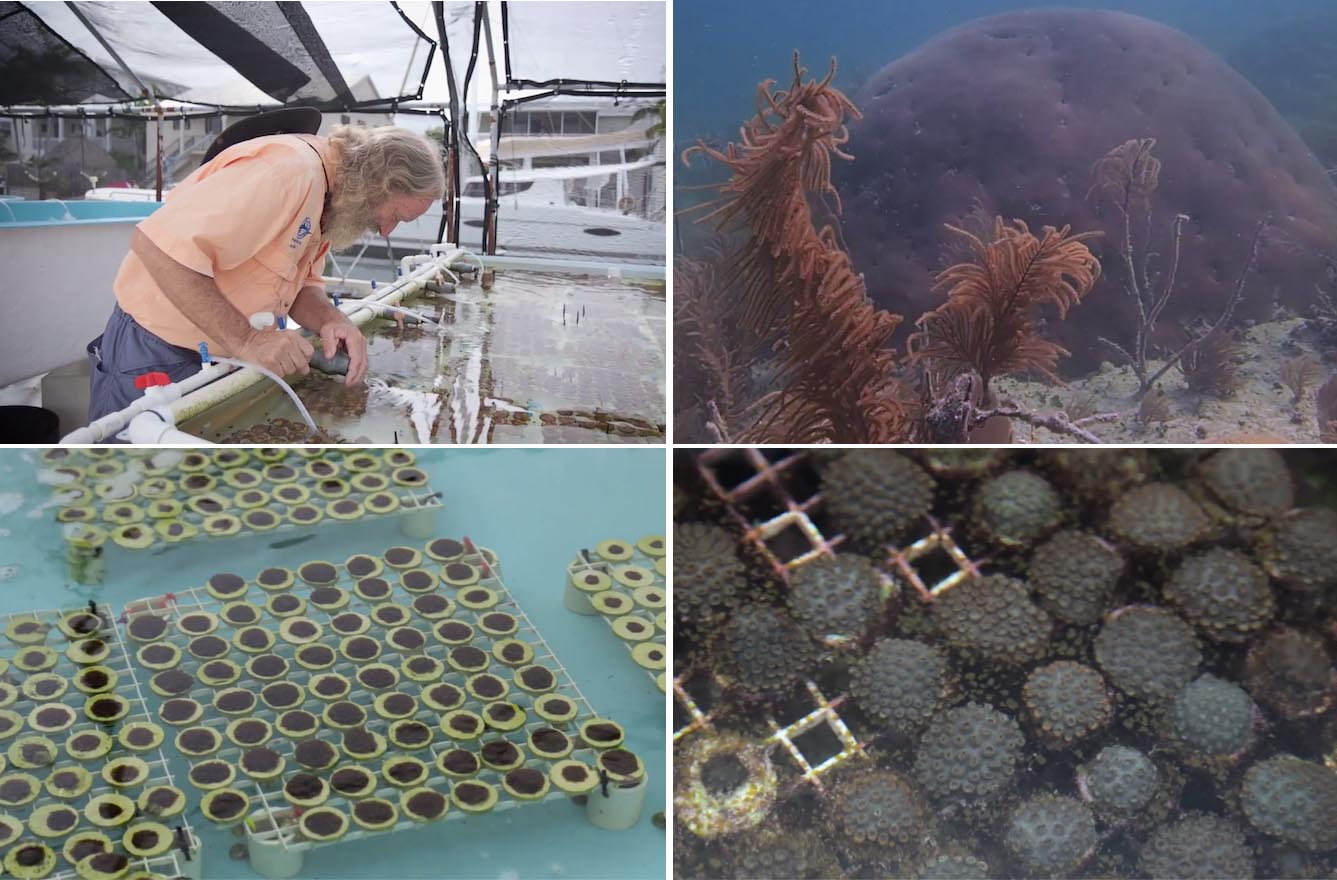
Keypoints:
(529, 357)
(623, 582)
(342, 698)
(987, 663)
(85, 789)
(145, 499)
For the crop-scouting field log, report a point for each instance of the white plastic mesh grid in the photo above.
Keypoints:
(171, 863)
(645, 597)
(267, 795)
(779, 515)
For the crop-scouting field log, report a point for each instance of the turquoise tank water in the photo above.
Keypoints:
(535, 509)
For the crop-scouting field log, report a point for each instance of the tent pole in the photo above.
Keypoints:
(453, 145)
(158, 163)
(494, 160)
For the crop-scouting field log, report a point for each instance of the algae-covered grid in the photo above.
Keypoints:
(146, 499)
(83, 782)
(623, 582)
(1109, 669)
(372, 692)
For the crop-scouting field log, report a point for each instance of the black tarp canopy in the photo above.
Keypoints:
(235, 57)
(89, 57)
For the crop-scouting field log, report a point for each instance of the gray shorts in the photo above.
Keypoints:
(126, 350)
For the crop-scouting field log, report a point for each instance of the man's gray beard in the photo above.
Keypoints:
(346, 224)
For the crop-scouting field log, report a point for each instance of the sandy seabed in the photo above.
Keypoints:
(1260, 410)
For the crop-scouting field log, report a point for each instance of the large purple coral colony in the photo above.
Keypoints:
(1148, 691)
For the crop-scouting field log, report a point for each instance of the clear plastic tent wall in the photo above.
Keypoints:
(582, 129)
(586, 41)
(580, 152)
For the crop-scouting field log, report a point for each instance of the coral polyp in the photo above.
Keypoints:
(1119, 782)
(969, 753)
(1211, 717)
(1223, 593)
(1073, 574)
(1025, 673)
(1065, 702)
(1147, 652)
(1017, 508)
(901, 683)
(1158, 518)
(877, 495)
(994, 619)
(837, 599)
(763, 649)
(1051, 835)
(877, 817)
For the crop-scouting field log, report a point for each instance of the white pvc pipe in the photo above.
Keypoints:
(358, 311)
(580, 266)
(217, 382)
(410, 262)
(386, 307)
(619, 809)
(151, 428)
(113, 423)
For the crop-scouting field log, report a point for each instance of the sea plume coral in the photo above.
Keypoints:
(794, 285)
(1208, 364)
(711, 380)
(988, 322)
(1325, 404)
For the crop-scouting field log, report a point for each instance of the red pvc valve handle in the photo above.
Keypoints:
(151, 380)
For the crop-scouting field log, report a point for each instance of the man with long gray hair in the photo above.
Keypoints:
(239, 246)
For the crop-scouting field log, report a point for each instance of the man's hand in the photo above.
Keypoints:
(340, 329)
(283, 351)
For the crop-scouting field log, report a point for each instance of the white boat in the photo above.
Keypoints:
(544, 215)
(613, 210)
(593, 192)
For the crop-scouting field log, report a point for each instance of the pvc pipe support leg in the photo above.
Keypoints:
(419, 524)
(620, 810)
(268, 856)
(576, 600)
(194, 868)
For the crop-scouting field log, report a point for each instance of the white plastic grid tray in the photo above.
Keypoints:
(266, 796)
(170, 863)
(779, 519)
(653, 617)
(88, 482)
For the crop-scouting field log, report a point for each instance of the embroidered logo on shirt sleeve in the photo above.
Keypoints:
(302, 232)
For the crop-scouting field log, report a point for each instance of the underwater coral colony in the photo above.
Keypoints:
(779, 341)
(993, 663)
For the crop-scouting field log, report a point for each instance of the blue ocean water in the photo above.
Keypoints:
(721, 51)
(535, 509)
(961, 122)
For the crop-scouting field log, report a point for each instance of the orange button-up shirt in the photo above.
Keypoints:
(249, 219)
